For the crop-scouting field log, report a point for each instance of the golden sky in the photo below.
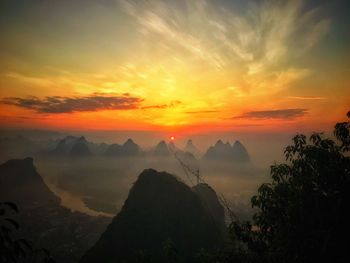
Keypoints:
(195, 65)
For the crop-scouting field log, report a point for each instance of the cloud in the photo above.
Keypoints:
(257, 46)
(306, 98)
(287, 114)
(172, 104)
(58, 104)
(202, 111)
(259, 36)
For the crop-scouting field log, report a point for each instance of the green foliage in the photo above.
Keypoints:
(13, 249)
(303, 213)
(171, 252)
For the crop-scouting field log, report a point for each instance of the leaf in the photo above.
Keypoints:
(12, 206)
(25, 243)
(12, 222)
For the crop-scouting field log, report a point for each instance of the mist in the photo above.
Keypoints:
(98, 184)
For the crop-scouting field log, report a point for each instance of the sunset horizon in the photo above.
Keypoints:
(175, 67)
(174, 131)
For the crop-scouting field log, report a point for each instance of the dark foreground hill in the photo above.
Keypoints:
(66, 234)
(211, 203)
(160, 210)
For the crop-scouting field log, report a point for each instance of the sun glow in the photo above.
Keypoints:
(225, 70)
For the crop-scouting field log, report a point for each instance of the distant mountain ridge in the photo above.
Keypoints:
(224, 151)
(161, 149)
(75, 146)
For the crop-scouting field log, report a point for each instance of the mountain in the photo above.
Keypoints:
(161, 149)
(113, 150)
(130, 148)
(159, 209)
(239, 152)
(43, 221)
(100, 148)
(172, 147)
(72, 145)
(219, 151)
(20, 183)
(188, 160)
(212, 204)
(61, 148)
(226, 152)
(80, 149)
(191, 148)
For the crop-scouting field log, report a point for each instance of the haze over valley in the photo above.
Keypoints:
(162, 131)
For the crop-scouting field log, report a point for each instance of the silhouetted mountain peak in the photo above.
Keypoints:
(130, 148)
(159, 207)
(21, 183)
(189, 143)
(224, 151)
(219, 143)
(237, 144)
(25, 165)
(172, 147)
(82, 139)
(29, 161)
(161, 149)
(129, 141)
(239, 152)
(149, 176)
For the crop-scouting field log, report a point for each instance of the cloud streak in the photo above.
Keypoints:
(307, 98)
(258, 39)
(202, 112)
(58, 104)
(286, 114)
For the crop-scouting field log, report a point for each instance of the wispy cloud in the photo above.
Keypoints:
(307, 98)
(202, 112)
(58, 104)
(172, 104)
(273, 114)
(258, 39)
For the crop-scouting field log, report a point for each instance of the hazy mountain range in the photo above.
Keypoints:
(74, 146)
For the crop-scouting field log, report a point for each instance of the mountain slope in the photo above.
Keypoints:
(20, 183)
(161, 149)
(159, 208)
(66, 234)
(191, 148)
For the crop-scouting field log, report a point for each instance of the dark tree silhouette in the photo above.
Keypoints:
(303, 213)
(12, 249)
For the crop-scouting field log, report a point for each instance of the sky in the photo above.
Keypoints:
(176, 66)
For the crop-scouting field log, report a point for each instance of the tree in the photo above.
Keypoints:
(14, 249)
(303, 212)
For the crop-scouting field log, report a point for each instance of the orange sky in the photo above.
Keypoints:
(185, 66)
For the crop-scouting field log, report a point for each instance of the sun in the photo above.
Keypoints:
(172, 138)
